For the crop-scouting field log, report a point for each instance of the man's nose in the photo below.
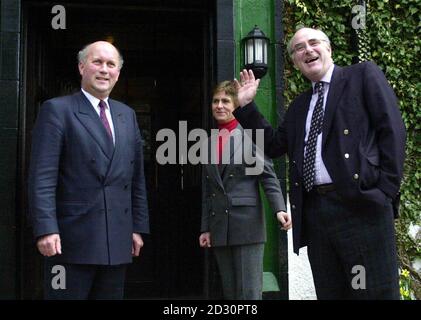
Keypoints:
(103, 68)
(308, 47)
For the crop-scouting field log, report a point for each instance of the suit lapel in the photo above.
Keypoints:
(336, 87)
(90, 120)
(235, 142)
(301, 129)
(120, 131)
(216, 175)
(212, 167)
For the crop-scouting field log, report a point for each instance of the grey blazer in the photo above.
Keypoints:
(232, 209)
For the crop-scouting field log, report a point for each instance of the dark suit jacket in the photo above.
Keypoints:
(361, 120)
(232, 210)
(80, 186)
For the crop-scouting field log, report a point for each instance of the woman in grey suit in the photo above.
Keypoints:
(233, 221)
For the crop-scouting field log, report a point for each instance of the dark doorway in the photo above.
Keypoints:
(165, 78)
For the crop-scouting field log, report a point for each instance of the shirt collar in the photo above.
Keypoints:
(326, 78)
(94, 100)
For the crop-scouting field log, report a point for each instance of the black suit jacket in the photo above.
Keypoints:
(80, 186)
(363, 144)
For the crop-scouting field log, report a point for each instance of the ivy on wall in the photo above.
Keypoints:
(391, 35)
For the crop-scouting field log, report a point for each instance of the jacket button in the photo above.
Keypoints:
(296, 184)
(293, 206)
(126, 186)
(293, 161)
(213, 213)
(213, 195)
(346, 155)
(356, 176)
(231, 175)
(207, 177)
(346, 132)
(226, 211)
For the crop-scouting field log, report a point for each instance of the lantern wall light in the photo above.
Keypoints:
(255, 46)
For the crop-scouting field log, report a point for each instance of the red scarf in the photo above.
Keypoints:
(223, 136)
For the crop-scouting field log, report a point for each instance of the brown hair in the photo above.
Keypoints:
(229, 88)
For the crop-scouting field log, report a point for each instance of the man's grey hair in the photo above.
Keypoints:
(83, 55)
(323, 37)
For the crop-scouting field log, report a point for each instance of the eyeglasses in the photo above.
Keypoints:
(301, 47)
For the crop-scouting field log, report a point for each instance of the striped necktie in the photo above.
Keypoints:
(103, 117)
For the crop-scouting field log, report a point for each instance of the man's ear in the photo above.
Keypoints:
(81, 66)
(329, 47)
(330, 51)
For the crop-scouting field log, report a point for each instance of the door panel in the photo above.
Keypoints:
(163, 79)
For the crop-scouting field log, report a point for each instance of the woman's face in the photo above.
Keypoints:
(222, 107)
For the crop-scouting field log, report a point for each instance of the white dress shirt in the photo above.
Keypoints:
(321, 176)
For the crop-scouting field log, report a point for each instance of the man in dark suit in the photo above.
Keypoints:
(87, 195)
(345, 140)
(233, 222)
